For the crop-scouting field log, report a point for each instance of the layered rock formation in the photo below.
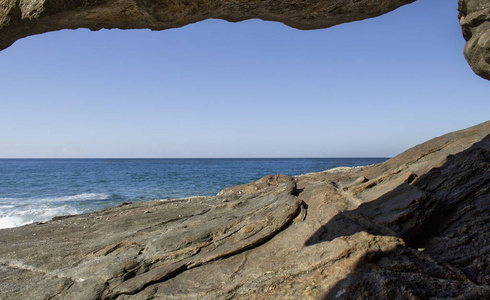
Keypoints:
(414, 227)
(23, 18)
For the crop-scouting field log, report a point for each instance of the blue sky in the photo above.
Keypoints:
(251, 89)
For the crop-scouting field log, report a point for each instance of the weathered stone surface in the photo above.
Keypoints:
(19, 19)
(265, 183)
(124, 249)
(441, 213)
(474, 17)
(416, 226)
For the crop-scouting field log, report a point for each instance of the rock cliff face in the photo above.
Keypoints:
(22, 18)
(414, 227)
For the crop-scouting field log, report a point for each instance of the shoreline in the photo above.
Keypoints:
(314, 236)
(44, 195)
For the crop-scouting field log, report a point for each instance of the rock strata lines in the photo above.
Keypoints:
(414, 226)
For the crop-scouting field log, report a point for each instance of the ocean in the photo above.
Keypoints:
(33, 190)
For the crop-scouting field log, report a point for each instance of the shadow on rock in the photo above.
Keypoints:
(443, 218)
(406, 273)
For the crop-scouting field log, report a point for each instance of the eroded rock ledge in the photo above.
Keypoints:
(22, 18)
(416, 226)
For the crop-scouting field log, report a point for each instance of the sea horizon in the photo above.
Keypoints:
(38, 189)
(299, 157)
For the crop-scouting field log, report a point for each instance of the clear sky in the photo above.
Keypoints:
(251, 89)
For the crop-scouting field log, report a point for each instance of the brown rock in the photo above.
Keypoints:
(19, 19)
(264, 184)
(474, 17)
(303, 237)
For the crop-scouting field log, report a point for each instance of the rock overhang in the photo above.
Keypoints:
(22, 18)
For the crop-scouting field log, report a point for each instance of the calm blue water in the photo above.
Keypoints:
(38, 189)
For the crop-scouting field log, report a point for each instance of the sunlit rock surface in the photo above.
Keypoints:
(474, 17)
(416, 226)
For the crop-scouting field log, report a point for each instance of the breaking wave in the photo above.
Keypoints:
(16, 212)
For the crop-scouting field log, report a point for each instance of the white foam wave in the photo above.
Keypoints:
(8, 199)
(33, 214)
(11, 221)
(6, 206)
(16, 212)
(78, 197)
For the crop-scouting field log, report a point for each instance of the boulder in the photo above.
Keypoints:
(474, 17)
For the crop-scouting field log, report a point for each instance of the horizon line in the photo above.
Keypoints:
(304, 157)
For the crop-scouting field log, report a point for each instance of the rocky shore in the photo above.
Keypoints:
(414, 227)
